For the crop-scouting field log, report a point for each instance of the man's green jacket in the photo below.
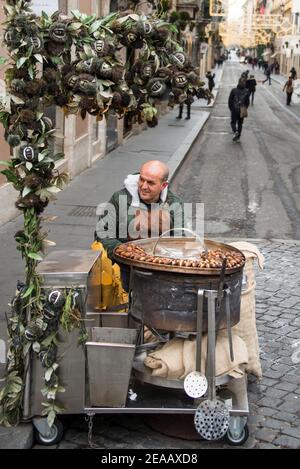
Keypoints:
(112, 228)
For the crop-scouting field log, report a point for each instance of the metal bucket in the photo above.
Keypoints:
(168, 301)
(110, 355)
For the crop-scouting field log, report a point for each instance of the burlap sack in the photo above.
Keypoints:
(246, 328)
(177, 358)
(224, 365)
(168, 361)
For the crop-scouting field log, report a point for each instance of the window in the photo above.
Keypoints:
(114, 5)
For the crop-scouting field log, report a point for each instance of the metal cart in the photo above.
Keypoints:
(97, 377)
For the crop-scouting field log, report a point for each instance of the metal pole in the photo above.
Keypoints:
(211, 346)
(200, 298)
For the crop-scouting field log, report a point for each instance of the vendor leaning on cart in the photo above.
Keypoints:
(144, 208)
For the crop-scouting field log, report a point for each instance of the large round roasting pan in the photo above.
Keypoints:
(181, 248)
(164, 297)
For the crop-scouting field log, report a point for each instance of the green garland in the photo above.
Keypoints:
(72, 63)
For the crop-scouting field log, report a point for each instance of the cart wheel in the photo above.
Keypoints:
(55, 435)
(239, 440)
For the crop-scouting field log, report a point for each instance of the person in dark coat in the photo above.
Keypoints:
(211, 81)
(251, 85)
(268, 76)
(238, 99)
(293, 73)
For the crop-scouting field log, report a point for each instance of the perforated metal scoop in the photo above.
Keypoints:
(212, 420)
(195, 384)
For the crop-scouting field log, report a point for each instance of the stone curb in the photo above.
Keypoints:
(20, 437)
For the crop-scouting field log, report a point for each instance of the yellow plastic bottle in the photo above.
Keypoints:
(112, 292)
(107, 289)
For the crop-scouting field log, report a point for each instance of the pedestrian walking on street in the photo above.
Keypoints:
(268, 75)
(238, 103)
(251, 85)
(211, 81)
(289, 88)
(293, 73)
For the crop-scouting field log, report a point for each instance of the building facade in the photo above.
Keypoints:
(287, 42)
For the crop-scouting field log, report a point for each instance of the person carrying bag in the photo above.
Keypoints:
(238, 103)
(243, 112)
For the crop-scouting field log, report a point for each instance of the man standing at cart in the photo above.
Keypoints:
(144, 208)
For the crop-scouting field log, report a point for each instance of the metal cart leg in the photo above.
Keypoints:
(211, 347)
(238, 431)
(45, 435)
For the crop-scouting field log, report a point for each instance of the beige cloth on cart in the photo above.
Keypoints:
(246, 328)
(177, 358)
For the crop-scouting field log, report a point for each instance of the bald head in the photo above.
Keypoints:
(156, 169)
(153, 180)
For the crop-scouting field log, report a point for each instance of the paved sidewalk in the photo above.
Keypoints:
(280, 79)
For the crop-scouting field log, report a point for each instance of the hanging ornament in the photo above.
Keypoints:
(179, 59)
(58, 32)
(28, 154)
(56, 299)
(180, 80)
(36, 43)
(156, 87)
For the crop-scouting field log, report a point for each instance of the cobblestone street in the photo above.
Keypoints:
(276, 399)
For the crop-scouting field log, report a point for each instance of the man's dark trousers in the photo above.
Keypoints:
(288, 98)
(188, 110)
(236, 122)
